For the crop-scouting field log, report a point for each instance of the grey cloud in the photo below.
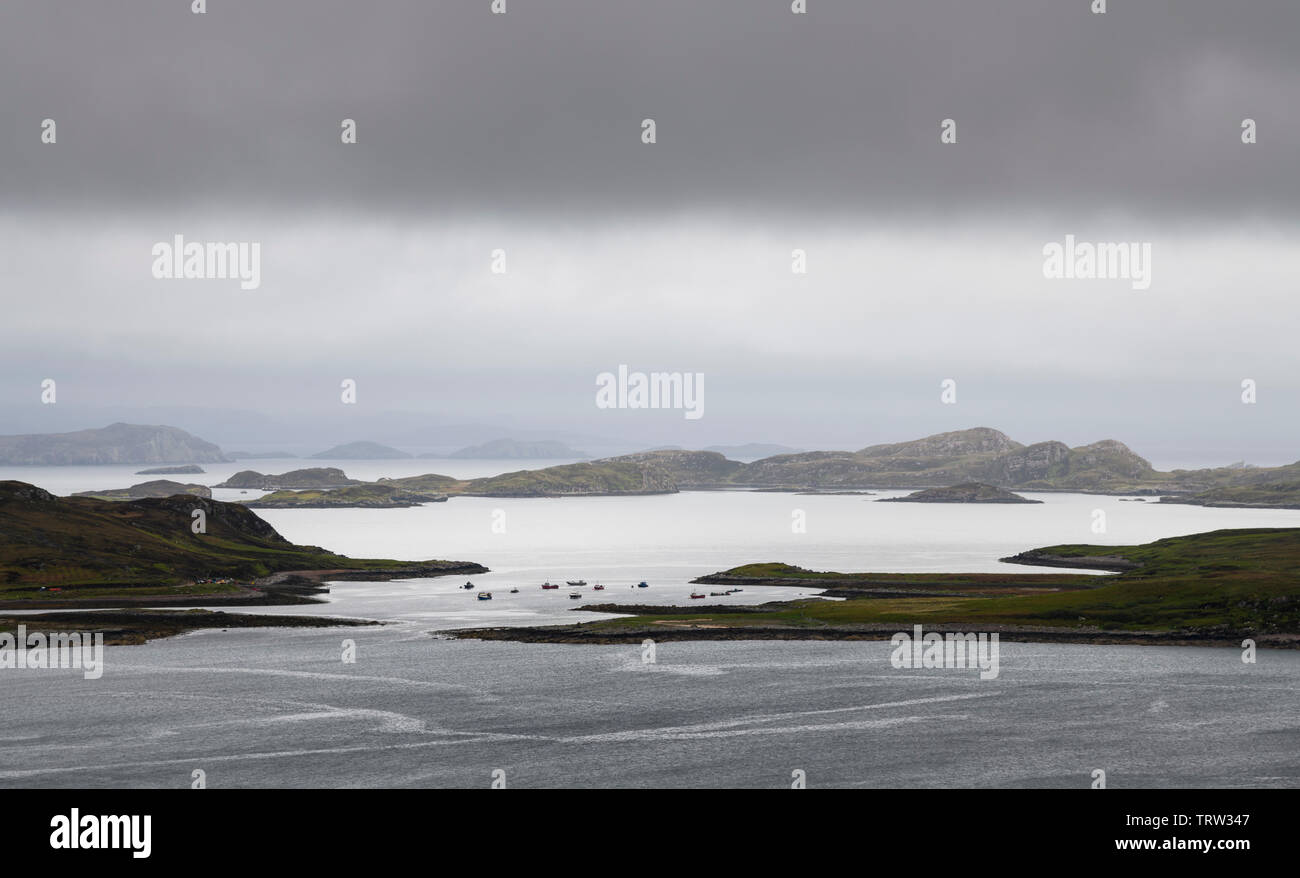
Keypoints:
(758, 109)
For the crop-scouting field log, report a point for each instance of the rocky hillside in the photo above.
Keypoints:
(116, 443)
(977, 455)
(91, 548)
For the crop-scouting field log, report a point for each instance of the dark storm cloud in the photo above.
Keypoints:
(758, 109)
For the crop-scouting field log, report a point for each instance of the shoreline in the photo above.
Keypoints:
(701, 629)
(136, 627)
(284, 588)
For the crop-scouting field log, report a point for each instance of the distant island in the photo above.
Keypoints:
(1205, 589)
(116, 443)
(158, 488)
(511, 449)
(1265, 495)
(978, 455)
(970, 492)
(312, 477)
(364, 496)
(187, 470)
(361, 451)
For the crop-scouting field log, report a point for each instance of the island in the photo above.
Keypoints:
(361, 451)
(1214, 588)
(191, 469)
(80, 553)
(116, 443)
(157, 488)
(366, 496)
(970, 492)
(312, 477)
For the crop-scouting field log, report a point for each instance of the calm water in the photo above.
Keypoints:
(279, 708)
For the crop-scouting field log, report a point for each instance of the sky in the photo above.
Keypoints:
(774, 132)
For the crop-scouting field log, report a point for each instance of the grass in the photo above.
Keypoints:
(1224, 584)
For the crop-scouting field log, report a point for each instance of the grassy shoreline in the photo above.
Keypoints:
(1215, 588)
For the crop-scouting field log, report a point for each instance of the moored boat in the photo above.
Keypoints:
(546, 585)
(697, 594)
(485, 595)
(643, 584)
(575, 582)
(575, 595)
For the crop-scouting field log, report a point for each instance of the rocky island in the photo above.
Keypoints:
(157, 488)
(970, 492)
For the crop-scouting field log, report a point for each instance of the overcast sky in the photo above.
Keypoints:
(774, 132)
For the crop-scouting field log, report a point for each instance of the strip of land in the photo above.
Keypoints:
(1214, 588)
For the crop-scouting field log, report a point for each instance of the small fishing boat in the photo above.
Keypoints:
(697, 594)
(643, 584)
(546, 585)
(575, 582)
(598, 587)
(575, 595)
(719, 594)
(467, 586)
(514, 591)
(485, 595)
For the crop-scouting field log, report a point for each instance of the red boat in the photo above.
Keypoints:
(696, 594)
(598, 588)
(548, 585)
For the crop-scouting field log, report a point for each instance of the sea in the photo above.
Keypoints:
(413, 708)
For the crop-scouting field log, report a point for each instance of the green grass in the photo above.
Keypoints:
(1229, 581)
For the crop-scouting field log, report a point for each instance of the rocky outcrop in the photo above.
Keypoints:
(156, 488)
(312, 477)
(971, 492)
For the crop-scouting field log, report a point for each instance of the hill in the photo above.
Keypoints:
(361, 451)
(312, 477)
(116, 443)
(187, 470)
(367, 496)
(93, 549)
(157, 488)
